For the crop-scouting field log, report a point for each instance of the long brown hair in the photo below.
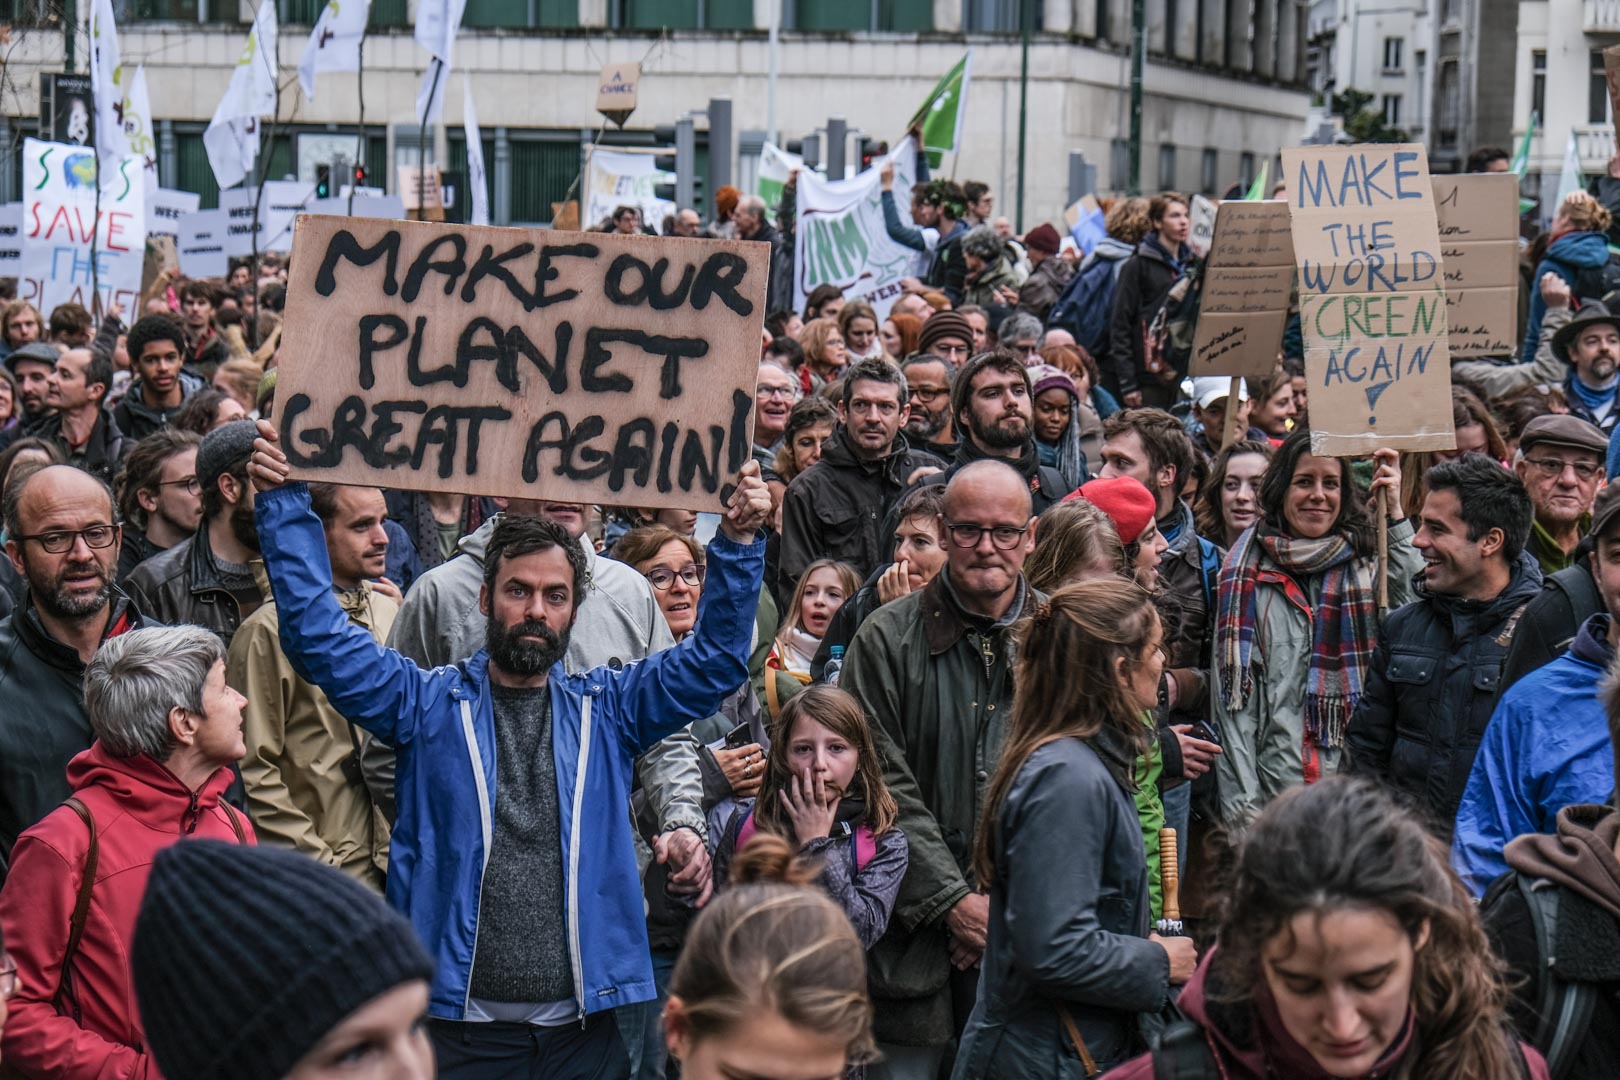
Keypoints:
(1342, 843)
(848, 579)
(840, 713)
(1207, 516)
(1068, 685)
(1072, 536)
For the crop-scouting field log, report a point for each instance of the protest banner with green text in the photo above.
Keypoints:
(1372, 298)
(571, 367)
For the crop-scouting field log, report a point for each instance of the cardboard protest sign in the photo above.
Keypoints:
(161, 256)
(1478, 217)
(841, 238)
(616, 91)
(1247, 282)
(283, 200)
(1202, 232)
(165, 208)
(576, 367)
(618, 178)
(419, 189)
(61, 230)
(11, 216)
(1372, 297)
(202, 244)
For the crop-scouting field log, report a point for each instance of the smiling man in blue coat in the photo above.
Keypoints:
(512, 853)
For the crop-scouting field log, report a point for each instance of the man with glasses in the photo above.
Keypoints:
(775, 394)
(208, 579)
(835, 508)
(994, 411)
(62, 538)
(157, 347)
(1560, 460)
(933, 671)
(1020, 334)
(929, 427)
(949, 336)
(159, 496)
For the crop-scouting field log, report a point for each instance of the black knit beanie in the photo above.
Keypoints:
(245, 957)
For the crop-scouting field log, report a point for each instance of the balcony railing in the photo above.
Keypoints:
(1595, 144)
(1603, 16)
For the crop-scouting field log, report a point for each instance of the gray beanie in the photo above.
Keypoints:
(223, 449)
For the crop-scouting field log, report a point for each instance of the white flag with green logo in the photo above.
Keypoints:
(775, 167)
(941, 115)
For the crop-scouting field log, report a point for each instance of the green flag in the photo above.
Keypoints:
(941, 115)
(1521, 162)
(1257, 190)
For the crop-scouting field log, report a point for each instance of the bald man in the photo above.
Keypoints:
(933, 670)
(62, 540)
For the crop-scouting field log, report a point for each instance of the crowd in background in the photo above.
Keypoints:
(1030, 710)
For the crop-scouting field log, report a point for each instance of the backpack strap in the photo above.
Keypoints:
(81, 912)
(1565, 1010)
(1079, 1040)
(1183, 1053)
(236, 826)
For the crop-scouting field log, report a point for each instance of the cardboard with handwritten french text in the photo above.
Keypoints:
(1247, 281)
(1478, 218)
(1372, 297)
(529, 363)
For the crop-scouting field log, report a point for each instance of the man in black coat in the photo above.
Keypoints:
(994, 412)
(835, 508)
(1432, 684)
(71, 607)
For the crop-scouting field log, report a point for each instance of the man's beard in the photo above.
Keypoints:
(244, 526)
(509, 651)
(925, 424)
(52, 595)
(998, 436)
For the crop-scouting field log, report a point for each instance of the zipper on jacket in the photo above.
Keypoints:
(471, 738)
(189, 822)
(573, 853)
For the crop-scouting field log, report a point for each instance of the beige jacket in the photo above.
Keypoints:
(297, 793)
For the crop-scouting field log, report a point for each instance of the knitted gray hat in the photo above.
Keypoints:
(245, 957)
(223, 449)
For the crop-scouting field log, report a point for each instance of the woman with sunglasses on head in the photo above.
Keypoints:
(1297, 620)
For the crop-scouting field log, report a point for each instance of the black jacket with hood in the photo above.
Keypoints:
(1144, 281)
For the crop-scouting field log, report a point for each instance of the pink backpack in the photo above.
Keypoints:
(865, 840)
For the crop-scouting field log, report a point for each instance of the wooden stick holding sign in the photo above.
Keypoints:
(573, 367)
(1230, 425)
(1372, 305)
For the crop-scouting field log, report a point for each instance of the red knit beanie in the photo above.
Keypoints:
(1128, 504)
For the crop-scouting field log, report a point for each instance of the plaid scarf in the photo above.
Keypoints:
(1344, 626)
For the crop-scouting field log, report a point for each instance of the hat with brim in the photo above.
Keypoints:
(40, 352)
(1562, 429)
(1592, 313)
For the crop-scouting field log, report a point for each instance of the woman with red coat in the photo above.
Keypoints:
(167, 729)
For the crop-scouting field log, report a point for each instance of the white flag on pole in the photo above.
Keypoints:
(1570, 179)
(232, 138)
(105, 72)
(475, 159)
(139, 129)
(437, 23)
(334, 43)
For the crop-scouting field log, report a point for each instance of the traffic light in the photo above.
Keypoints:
(665, 163)
(323, 181)
(871, 149)
(359, 176)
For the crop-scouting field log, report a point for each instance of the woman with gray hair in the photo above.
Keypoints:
(167, 729)
(993, 277)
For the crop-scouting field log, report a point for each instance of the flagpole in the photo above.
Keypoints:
(421, 143)
(1026, 16)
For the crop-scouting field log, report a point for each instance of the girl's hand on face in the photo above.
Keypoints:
(806, 801)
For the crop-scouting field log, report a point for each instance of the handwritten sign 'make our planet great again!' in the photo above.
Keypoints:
(572, 367)
(1372, 298)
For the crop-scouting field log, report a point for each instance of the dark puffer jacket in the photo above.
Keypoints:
(1431, 688)
(835, 508)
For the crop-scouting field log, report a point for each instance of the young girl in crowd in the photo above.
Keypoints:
(1347, 948)
(1296, 621)
(824, 794)
(1069, 961)
(772, 982)
(1229, 501)
(822, 590)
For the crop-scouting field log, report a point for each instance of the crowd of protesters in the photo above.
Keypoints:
(1030, 709)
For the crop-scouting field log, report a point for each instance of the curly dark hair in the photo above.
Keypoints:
(150, 328)
(516, 536)
(1354, 520)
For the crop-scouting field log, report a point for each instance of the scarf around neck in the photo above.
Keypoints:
(1344, 623)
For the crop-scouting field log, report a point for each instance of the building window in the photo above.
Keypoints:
(1167, 167)
(1538, 82)
(1209, 170)
(1246, 170)
(1420, 60)
(306, 12)
(988, 16)
(521, 14)
(895, 16)
(1392, 110)
(1597, 91)
(682, 14)
(1119, 164)
(1393, 49)
(1450, 100)
(1450, 11)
